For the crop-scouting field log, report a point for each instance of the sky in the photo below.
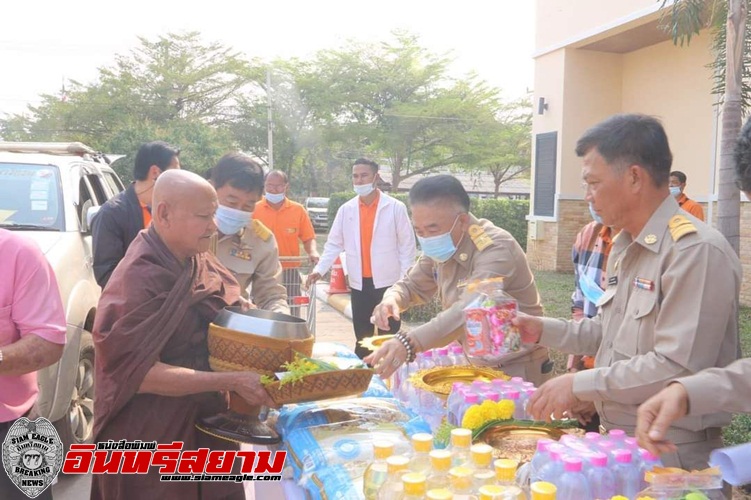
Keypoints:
(45, 42)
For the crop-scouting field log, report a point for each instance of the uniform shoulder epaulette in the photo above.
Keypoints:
(262, 231)
(680, 226)
(479, 237)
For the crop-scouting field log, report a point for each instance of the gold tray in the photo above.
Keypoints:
(439, 380)
(375, 342)
(517, 442)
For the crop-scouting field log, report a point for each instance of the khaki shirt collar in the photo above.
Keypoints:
(657, 225)
(466, 246)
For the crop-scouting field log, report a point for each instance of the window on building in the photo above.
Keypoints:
(545, 166)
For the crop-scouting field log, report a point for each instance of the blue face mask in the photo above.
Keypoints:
(439, 248)
(675, 191)
(231, 220)
(591, 291)
(594, 215)
(274, 197)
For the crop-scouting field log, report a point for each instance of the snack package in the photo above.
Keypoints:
(666, 483)
(489, 333)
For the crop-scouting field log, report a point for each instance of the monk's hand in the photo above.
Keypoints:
(248, 386)
(530, 327)
(312, 278)
(553, 398)
(655, 415)
(246, 305)
(388, 308)
(388, 358)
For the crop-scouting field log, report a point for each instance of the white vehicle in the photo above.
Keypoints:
(318, 211)
(48, 192)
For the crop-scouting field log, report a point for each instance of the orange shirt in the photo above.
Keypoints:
(290, 225)
(367, 221)
(691, 206)
(146, 215)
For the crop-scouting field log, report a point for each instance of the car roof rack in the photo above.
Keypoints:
(54, 148)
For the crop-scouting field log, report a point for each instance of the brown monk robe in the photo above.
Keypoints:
(152, 373)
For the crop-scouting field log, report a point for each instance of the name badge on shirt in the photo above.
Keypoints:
(240, 253)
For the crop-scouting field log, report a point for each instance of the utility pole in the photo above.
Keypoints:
(270, 123)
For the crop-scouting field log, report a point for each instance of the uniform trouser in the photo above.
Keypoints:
(8, 490)
(535, 366)
(363, 303)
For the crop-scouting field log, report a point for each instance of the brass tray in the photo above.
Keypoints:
(375, 342)
(439, 380)
(517, 442)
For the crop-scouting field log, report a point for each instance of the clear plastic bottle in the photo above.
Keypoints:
(422, 445)
(573, 484)
(491, 396)
(470, 399)
(648, 462)
(413, 485)
(396, 465)
(461, 483)
(457, 355)
(461, 440)
(552, 470)
(601, 479)
(498, 385)
(482, 471)
(441, 357)
(542, 490)
(518, 407)
(591, 439)
(529, 393)
(427, 361)
(439, 494)
(440, 463)
(617, 436)
(478, 387)
(376, 473)
(540, 458)
(454, 401)
(627, 481)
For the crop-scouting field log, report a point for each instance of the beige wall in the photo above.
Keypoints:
(674, 84)
(561, 20)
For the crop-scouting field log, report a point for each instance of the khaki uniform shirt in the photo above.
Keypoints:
(253, 258)
(670, 310)
(485, 252)
(728, 388)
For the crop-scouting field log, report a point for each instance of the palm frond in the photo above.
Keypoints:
(718, 66)
(684, 19)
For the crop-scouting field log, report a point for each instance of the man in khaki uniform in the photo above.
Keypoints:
(727, 389)
(457, 249)
(671, 305)
(244, 245)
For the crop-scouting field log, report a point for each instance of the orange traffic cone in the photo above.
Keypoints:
(337, 283)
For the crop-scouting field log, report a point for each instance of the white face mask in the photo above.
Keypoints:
(364, 189)
(274, 197)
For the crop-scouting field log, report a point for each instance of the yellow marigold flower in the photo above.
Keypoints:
(488, 410)
(473, 417)
(504, 409)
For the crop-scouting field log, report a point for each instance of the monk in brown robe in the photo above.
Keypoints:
(152, 372)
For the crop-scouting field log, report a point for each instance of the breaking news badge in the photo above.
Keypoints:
(32, 455)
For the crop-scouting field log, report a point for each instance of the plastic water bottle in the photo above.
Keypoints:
(441, 357)
(470, 399)
(461, 483)
(617, 436)
(413, 485)
(490, 395)
(530, 393)
(600, 477)
(478, 387)
(540, 458)
(440, 463)
(592, 438)
(457, 355)
(518, 408)
(498, 385)
(461, 440)
(572, 485)
(607, 447)
(627, 482)
(552, 470)
(392, 488)
(422, 445)
(427, 361)
(482, 471)
(454, 401)
(648, 462)
(376, 473)
(632, 445)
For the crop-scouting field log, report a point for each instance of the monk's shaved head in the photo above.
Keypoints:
(183, 212)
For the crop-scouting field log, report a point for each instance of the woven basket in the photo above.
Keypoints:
(323, 385)
(231, 350)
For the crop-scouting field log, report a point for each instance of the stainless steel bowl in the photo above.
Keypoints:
(263, 323)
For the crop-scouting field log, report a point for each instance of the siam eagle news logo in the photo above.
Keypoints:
(32, 455)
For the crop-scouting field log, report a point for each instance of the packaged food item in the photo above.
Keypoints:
(489, 332)
(668, 483)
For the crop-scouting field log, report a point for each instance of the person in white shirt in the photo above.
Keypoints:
(375, 233)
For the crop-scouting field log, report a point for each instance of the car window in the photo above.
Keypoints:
(97, 189)
(113, 182)
(318, 203)
(30, 197)
(86, 198)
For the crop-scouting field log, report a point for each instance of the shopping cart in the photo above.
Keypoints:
(302, 302)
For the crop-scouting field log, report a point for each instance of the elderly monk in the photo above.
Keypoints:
(150, 336)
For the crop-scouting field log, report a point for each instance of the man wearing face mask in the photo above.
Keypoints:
(677, 185)
(244, 245)
(119, 220)
(457, 249)
(373, 230)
